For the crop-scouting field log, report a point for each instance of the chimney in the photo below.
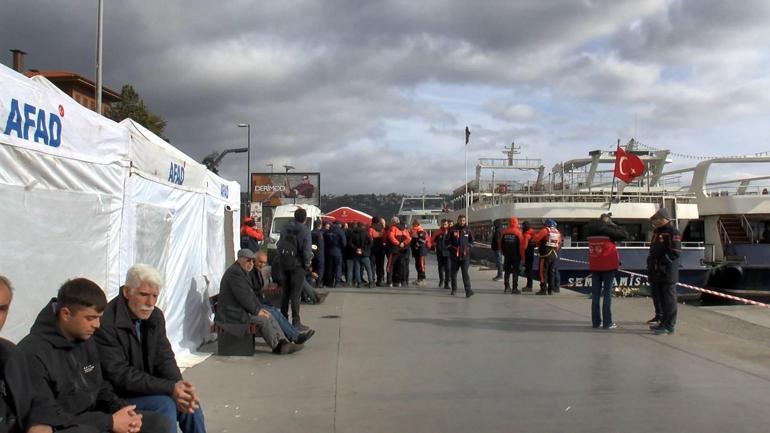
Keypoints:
(18, 60)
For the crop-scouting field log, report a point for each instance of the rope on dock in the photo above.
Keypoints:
(688, 286)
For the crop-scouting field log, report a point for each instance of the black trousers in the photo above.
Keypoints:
(443, 269)
(529, 262)
(511, 267)
(378, 255)
(463, 264)
(549, 273)
(292, 291)
(666, 303)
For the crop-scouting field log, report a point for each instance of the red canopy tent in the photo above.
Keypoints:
(348, 215)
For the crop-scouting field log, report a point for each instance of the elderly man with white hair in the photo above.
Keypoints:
(136, 355)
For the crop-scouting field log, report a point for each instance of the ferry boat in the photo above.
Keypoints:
(429, 210)
(720, 221)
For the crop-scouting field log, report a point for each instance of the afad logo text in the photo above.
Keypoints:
(31, 123)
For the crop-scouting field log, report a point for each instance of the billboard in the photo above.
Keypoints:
(275, 189)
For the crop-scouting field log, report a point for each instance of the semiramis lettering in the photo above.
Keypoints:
(176, 173)
(31, 123)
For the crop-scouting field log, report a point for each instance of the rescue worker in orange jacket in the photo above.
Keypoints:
(439, 243)
(420, 242)
(512, 247)
(548, 241)
(377, 233)
(395, 242)
(251, 236)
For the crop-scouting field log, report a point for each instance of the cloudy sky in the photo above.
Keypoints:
(376, 94)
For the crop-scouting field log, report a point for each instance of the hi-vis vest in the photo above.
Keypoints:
(602, 254)
(554, 238)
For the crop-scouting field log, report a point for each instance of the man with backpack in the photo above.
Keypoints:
(294, 254)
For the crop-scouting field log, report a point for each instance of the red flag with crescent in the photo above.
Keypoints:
(627, 165)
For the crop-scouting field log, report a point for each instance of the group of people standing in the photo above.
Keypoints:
(515, 246)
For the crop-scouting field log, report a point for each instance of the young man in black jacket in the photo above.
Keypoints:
(459, 241)
(294, 258)
(65, 367)
(136, 355)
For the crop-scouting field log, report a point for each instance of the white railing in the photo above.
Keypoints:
(747, 228)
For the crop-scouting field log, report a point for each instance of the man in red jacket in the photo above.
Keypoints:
(603, 262)
(251, 236)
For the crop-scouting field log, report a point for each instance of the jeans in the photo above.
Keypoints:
(353, 274)
(290, 331)
(365, 263)
(166, 407)
(498, 263)
(602, 282)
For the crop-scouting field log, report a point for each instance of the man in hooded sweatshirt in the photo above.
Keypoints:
(512, 248)
(65, 367)
(294, 254)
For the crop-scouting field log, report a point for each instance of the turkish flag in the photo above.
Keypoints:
(627, 165)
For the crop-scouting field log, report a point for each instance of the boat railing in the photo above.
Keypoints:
(490, 200)
(747, 228)
(723, 235)
(637, 244)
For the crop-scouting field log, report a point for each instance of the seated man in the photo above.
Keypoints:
(238, 305)
(291, 332)
(136, 355)
(21, 409)
(64, 364)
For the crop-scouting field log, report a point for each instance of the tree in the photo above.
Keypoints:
(132, 106)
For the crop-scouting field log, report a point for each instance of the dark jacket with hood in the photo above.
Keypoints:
(334, 239)
(69, 373)
(304, 241)
(21, 404)
(134, 367)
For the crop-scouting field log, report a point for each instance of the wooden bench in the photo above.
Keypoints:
(231, 345)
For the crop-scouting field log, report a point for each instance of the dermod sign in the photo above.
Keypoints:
(31, 123)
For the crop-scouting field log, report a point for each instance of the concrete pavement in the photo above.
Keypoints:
(417, 360)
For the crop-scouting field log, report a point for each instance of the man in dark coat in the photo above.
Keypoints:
(64, 363)
(136, 355)
(317, 265)
(295, 264)
(663, 271)
(22, 408)
(334, 241)
(495, 244)
(459, 242)
(238, 305)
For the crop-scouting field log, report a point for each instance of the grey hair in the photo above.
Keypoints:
(142, 273)
(7, 283)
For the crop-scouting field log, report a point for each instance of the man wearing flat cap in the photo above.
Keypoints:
(663, 271)
(238, 305)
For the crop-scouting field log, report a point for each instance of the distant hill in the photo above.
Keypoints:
(384, 205)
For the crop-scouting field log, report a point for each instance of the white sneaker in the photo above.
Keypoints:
(613, 326)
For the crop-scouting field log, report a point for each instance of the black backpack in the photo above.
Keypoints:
(287, 255)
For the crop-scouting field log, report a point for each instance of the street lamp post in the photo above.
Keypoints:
(248, 161)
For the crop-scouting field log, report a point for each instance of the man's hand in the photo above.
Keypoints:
(126, 420)
(313, 275)
(261, 313)
(185, 396)
(40, 429)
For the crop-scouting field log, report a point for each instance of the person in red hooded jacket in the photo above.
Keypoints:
(512, 247)
(251, 236)
(420, 243)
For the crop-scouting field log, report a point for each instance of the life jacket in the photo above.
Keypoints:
(602, 254)
(553, 239)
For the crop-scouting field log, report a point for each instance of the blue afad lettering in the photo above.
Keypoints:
(46, 128)
(224, 191)
(176, 174)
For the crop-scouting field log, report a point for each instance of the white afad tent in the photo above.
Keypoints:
(83, 196)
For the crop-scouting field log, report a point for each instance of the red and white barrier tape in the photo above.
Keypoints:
(698, 289)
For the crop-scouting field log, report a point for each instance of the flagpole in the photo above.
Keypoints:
(612, 188)
(467, 199)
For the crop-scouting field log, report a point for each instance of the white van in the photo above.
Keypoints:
(282, 215)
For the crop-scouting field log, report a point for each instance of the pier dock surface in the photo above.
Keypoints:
(416, 360)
